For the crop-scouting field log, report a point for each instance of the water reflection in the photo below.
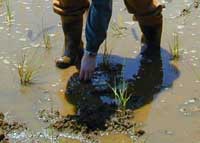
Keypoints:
(146, 83)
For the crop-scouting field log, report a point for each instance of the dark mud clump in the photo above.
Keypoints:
(94, 116)
(48, 116)
(96, 120)
(98, 84)
(7, 127)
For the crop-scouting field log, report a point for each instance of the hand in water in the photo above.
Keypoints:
(88, 64)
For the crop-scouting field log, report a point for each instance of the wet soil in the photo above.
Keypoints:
(94, 117)
(165, 94)
(8, 128)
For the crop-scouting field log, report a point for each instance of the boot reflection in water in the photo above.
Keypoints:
(147, 83)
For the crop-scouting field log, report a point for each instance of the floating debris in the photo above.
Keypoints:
(167, 132)
(180, 26)
(22, 39)
(192, 101)
(190, 107)
(25, 48)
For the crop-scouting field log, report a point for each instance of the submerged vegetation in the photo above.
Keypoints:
(47, 40)
(9, 16)
(27, 70)
(174, 47)
(46, 37)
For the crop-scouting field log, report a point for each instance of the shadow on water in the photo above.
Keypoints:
(145, 80)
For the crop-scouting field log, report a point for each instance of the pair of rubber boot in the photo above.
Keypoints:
(73, 45)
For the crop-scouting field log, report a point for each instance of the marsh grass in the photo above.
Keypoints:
(47, 40)
(27, 69)
(9, 16)
(120, 93)
(46, 36)
(174, 47)
(120, 90)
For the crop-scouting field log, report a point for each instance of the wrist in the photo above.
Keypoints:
(89, 53)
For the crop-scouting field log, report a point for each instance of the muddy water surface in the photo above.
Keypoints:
(170, 111)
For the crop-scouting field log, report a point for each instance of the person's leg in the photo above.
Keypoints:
(71, 12)
(149, 15)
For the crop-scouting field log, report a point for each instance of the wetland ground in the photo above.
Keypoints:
(166, 103)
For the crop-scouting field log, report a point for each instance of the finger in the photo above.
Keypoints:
(81, 75)
(90, 74)
(86, 75)
(56, 2)
(58, 10)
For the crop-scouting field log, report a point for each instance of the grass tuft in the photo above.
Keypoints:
(47, 40)
(9, 16)
(120, 93)
(175, 47)
(26, 70)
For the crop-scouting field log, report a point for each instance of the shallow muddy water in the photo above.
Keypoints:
(170, 111)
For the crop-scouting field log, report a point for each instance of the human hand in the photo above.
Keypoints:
(57, 7)
(88, 64)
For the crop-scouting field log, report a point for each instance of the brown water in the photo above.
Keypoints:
(161, 117)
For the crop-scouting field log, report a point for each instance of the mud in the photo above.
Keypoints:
(97, 118)
(90, 124)
(165, 94)
(8, 128)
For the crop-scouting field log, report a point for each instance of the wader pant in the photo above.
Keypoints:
(147, 12)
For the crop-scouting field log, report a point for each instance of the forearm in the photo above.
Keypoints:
(97, 24)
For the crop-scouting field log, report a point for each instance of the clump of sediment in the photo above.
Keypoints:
(7, 127)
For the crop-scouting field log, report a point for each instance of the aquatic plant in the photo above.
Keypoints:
(46, 36)
(47, 40)
(174, 47)
(120, 93)
(8, 11)
(27, 70)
